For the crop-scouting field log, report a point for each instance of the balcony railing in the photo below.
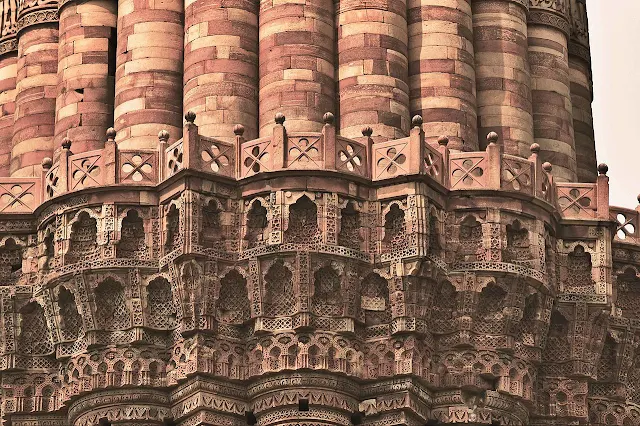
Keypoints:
(380, 161)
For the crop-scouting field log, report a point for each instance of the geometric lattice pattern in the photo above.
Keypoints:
(111, 306)
(35, 338)
(162, 311)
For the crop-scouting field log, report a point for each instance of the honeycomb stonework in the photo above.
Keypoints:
(374, 212)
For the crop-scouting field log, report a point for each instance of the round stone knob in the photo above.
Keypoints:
(492, 137)
(603, 169)
(111, 133)
(328, 118)
(547, 167)
(163, 135)
(535, 148)
(443, 141)
(367, 131)
(416, 121)
(280, 118)
(238, 130)
(190, 116)
(47, 163)
(66, 143)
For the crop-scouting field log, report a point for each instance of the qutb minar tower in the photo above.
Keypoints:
(309, 213)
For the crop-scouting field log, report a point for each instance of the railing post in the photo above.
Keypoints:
(278, 142)
(443, 141)
(163, 138)
(329, 141)
(238, 130)
(110, 161)
(494, 161)
(63, 168)
(190, 159)
(367, 132)
(47, 163)
(416, 146)
(537, 170)
(602, 187)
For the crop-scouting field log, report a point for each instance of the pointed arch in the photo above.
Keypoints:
(112, 312)
(35, 336)
(83, 242)
(327, 294)
(256, 224)
(70, 318)
(233, 302)
(132, 244)
(303, 222)
(374, 300)
(279, 299)
(349, 235)
(160, 307)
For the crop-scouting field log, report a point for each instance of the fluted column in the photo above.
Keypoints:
(36, 81)
(552, 110)
(221, 66)
(86, 73)
(582, 93)
(373, 68)
(503, 75)
(442, 78)
(296, 63)
(148, 93)
(8, 68)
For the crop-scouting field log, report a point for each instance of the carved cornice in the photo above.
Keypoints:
(579, 22)
(94, 405)
(34, 14)
(8, 45)
(580, 51)
(552, 13)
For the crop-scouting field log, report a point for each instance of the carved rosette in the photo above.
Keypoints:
(553, 13)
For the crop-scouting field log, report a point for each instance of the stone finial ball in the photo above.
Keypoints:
(547, 167)
(328, 118)
(492, 137)
(66, 143)
(535, 148)
(443, 141)
(190, 116)
(416, 121)
(280, 118)
(603, 169)
(163, 135)
(47, 163)
(238, 130)
(111, 133)
(367, 131)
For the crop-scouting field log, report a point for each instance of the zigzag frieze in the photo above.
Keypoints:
(124, 413)
(209, 401)
(290, 398)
